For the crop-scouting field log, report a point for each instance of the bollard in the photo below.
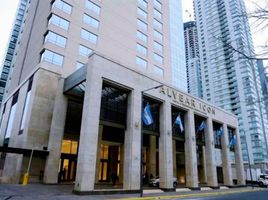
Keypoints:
(25, 179)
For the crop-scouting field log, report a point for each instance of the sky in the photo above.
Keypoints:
(8, 11)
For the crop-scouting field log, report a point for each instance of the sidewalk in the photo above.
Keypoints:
(64, 192)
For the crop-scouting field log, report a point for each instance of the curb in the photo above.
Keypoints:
(218, 193)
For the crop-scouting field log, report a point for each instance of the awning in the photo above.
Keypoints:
(26, 152)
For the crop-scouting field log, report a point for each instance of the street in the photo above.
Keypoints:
(64, 192)
(260, 195)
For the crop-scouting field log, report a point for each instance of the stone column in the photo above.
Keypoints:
(133, 142)
(56, 136)
(210, 155)
(87, 155)
(190, 152)
(152, 156)
(98, 153)
(240, 173)
(225, 154)
(204, 164)
(174, 158)
(165, 148)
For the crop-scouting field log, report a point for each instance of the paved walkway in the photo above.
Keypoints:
(64, 192)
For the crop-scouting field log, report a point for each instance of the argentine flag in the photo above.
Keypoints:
(179, 122)
(202, 126)
(220, 132)
(233, 141)
(147, 117)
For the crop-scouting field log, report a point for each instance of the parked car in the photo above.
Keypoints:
(155, 182)
(263, 180)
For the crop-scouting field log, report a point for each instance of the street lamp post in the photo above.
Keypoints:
(141, 153)
(249, 164)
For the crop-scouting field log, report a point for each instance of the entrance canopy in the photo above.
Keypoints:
(75, 84)
(27, 152)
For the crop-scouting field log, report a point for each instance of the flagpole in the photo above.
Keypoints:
(141, 152)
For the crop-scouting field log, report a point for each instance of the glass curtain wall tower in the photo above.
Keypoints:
(7, 62)
(230, 80)
(192, 59)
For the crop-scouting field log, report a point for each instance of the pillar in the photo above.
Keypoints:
(190, 151)
(132, 142)
(225, 154)
(212, 180)
(98, 153)
(87, 155)
(56, 136)
(152, 156)
(240, 173)
(165, 148)
(204, 164)
(174, 158)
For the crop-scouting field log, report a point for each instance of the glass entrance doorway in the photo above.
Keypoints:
(109, 167)
(67, 169)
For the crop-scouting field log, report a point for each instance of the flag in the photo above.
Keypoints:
(179, 122)
(202, 126)
(147, 116)
(219, 132)
(233, 141)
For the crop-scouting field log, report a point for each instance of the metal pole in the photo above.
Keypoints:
(30, 161)
(141, 169)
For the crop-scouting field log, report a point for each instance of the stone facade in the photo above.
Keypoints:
(46, 118)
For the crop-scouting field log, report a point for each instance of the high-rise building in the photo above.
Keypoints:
(229, 79)
(264, 83)
(7, 63)
(192, 59)
(91, 100)
(177, 49)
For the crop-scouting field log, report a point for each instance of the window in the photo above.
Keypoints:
(91, 37)
(142, 36)
(143, 3)
(142, 13)
(84, 51)
(158, 5)
(159, 71)
(158, 24)
(158, 58)
(69, 147)
(58, 21)
(79, 65)
(158, 47)
(91, 21)
(141, 62)
(141, 49)
(63, 6)
(26, 106)
(55, 39)
(93, 7)
(12, 115)
(141, 24)
(158, 35)
(52, 57)
(157, 14)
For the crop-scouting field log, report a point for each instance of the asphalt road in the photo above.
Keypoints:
(261, 195)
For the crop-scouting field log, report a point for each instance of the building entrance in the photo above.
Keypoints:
(109, 167)
(68, 161)
(109, 170)
(67, 168)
